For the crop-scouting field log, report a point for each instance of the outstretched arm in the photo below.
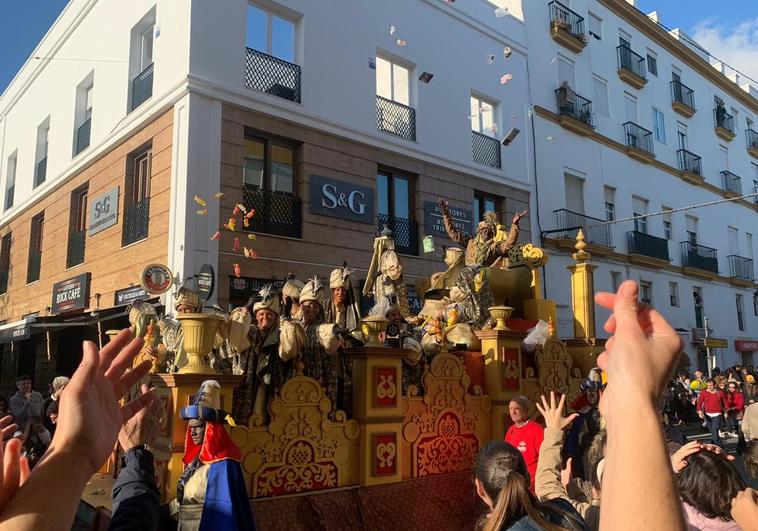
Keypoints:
(457, 236)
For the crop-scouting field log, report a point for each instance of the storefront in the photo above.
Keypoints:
(747, 349)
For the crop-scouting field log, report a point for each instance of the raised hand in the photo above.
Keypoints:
(444, 206)
(14, 469)
(143, 427)
(745, 509)
(553, 413)
(517, 216)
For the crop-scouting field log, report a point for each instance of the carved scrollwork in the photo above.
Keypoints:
(527, 254)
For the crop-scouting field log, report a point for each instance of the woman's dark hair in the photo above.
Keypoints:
(594, 454)
(52, 408)
(502, 472)
(709, 483)
(750, 458)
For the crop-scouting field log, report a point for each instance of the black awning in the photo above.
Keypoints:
(16, 331)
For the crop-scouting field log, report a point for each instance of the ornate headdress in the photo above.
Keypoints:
(292, 287)
(269, 301)
(340, 278)
(187, 297)
(382, 307)
(314, 291)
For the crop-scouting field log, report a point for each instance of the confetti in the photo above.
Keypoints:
(501, 12)
(393, 30)
(199, 200)
(237, 270)
(245, 222)
(490, 58)
(216, 235)
(425, 77)
(236, 246)
(218, 195)
(507, 51)
(236, 211)
(554, 59)
(250, 214)
(231, 224)
(400, 42)
(241, 207)
(550, 138)
(506, 78)
(203, 212)
(251, 236)
(250, 253)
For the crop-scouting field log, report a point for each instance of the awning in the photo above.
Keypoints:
(16, 331)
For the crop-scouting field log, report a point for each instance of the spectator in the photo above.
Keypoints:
(750, 458)
(525, 435)
(3, 406)
(502, 482)
(59, 383)
(710, 406)
(707, 485)
(750, 390)
(750, 422)
(51, 414)
(38, 438)
(26, 403)
(735, 410)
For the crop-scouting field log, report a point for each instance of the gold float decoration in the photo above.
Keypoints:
(199, 334)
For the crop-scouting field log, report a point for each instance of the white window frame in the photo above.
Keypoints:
(640, 224)
(654, 56)
(659, 125)
(646, 286)
(145, 36)
(615, 280)
(674, 294)
(668, 227)
(270, 15)
(610, 206)
(599, 33)
(603, 110)
(478, 103)
(10, 180)
(393, 63)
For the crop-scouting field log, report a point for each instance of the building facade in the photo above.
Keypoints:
(631, 119)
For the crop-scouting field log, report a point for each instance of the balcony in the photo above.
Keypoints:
(142, 87)
(82, 136)
(136, 222)
(4, 274)
(597, 234)
(682, 99)
(740, 270)
(647, 250)
(75, 252)
(724, 124)
(752, 142)
(485, 149)
(632, 68)
(396, 118)
(35, 263)
(699, 260)
(41, 173)
(639, 142)
(269, 74)
(690, 167)
(732, 184)
(276, 213)
(405, 232)
(574, 111)
(567, 27)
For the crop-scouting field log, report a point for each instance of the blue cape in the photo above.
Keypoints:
(226, 504)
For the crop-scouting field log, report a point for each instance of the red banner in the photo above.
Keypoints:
(745, 346)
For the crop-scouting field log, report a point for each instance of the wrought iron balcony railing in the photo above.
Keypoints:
(683, 94)
(269, 74)
(142, 86)
(136, 222)
(740, 267)
(41, 173)
(731, 182)
(4, 274)
(647, 245)
(396, 118)
(723, 119)
(689, 162)
(82, 136)
(574, 105)
(405, 232)
(485, 149)
(594, 229)
(752, 139)
(632, 61)
(75, 252)
(639, 137)
(562, 17)
(700, 257)
(35, 263)
(276, 213)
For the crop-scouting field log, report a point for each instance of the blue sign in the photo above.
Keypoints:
(433, 223)
(340, 199)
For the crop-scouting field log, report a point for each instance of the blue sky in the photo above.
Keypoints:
(730, 33)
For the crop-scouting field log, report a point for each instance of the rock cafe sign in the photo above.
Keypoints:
(71, 294)
(340, 199)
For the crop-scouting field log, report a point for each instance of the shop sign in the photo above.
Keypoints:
(206, 281)
(715, 342)
(245, 287)
(156, 279)
(127, 296)
(16, 331)
(433, 223)
(340, 199)
(103, 212)
(745, 346)
(71, 294)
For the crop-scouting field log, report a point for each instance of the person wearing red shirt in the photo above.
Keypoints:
(525, 435)
(710, 406)
(735, 409)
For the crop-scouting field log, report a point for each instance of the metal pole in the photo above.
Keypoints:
(707, 349)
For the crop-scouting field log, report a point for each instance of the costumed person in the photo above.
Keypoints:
(211, 493)
(483, 249)
(400, 334)
(455, 261)
(319, 352)
(291, 292)
(589, 422)
(385, 273)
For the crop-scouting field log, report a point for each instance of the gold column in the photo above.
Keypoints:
(583, 290)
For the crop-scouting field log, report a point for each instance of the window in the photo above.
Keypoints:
(733, 237)
(146, 48)
(681, 135)
(5, 262)
(668, 232)
(35, 248)
(724, 154)
(574, 193)
(749, 244)
(40, 162)
(646, 292)
(77, 227)
(392, 81)
(394, 196)
(652, 63)
(10, 180)
(697, 300)
(740, 312)
(615, 280)
(269, 165)
(755, 304)
(600, 96)
(566, 71)
(483, 116)
(141, 66)
(691, 223)
(610, 203)
(674, 294)
(659, 126)
(630, 107)
(595, 26)
(640, 209)
(484, 203)
(735, 115)
(83, 115)
(137, 196)
(270, 33)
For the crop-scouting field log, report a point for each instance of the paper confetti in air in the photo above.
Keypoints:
(237, 270)
(507, 51)
(245, 222)
(231, 224)
(506, 78)
(400, 42)
(249, 253)
(250, 213)
(236, 211)
(393, 30)
(490, 58)
(241, 207)
(554, 59)
(236, 245)
(251, 236)
(501, 12)
(550, 139)
(216, 235)
(199, 200)
(203, 212)
(218, 195)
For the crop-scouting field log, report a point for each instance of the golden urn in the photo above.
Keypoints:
(500, 314)
(199, 330)
(371, 328)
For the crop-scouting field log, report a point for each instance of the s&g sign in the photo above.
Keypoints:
(340, 199)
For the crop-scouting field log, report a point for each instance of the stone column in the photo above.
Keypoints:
(583, 290)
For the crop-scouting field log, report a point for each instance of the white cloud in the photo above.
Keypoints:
(736, 46)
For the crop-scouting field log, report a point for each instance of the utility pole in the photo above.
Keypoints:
(707, 349)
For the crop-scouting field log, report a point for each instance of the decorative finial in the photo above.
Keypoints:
(550, 327)
(580, 255)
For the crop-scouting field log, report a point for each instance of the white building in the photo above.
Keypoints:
(645, 110)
